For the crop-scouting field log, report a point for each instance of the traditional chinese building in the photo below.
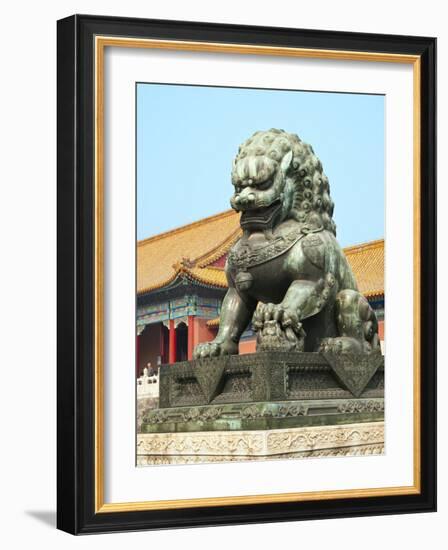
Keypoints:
(181, 284)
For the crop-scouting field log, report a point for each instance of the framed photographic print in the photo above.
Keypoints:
(246, 274)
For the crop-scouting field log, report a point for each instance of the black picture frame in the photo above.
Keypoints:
(76, 511)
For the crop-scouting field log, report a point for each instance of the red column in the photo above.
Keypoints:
(190, 336)
(172, 346)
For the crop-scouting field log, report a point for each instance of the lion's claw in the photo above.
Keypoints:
(214, 349)
(285, 316)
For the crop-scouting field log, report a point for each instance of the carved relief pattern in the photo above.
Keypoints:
(291, 410)
(311, 381)
(260, 382)
(209, 442)
(278, 383)
(354, 370)
(256, 411)
(237, 385)
(361, 406)
(210, 413)
(262, 443)
(360, 450)
(329, 437)
(283, 411)
(208, 374)
(243, 256)
(337, 393)
(251, 411)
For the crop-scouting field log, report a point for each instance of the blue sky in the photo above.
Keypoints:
(187, 137)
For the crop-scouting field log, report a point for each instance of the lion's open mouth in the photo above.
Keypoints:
(260, 218)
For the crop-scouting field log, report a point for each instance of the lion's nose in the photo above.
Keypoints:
(244, 200)
(248, 200)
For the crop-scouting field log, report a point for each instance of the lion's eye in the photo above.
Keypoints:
(264, 185)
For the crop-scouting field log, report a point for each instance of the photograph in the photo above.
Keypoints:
(260, 274)
(234, 204)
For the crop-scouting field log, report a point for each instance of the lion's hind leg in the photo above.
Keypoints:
(357, 325)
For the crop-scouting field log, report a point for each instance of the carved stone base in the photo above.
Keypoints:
(263, 416)
(271, 376)
(305, 442)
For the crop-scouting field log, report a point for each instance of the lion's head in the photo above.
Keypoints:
(278, 177)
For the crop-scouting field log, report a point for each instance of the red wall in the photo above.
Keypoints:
(247, 346)
(202, 333)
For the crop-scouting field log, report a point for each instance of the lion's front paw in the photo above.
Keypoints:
(215, 349)
(342, 344)
(278, 328)
(284, 316)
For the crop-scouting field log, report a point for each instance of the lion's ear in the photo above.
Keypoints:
(286, 162)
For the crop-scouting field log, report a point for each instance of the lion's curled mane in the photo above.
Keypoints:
(307, 190)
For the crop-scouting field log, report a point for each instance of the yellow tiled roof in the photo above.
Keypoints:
(367, 263)
(189, 250)
(160, 259)
(213, 323)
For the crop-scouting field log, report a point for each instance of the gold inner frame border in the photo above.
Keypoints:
(101, 42)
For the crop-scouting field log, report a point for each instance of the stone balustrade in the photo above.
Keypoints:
(148, 384)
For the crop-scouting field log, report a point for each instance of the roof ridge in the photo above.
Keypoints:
(204, 260)
(377, 243)
(185, 227)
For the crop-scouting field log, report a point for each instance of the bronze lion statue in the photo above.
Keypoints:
(287, 273)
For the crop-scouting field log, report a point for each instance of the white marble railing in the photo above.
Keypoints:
(148, 385)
